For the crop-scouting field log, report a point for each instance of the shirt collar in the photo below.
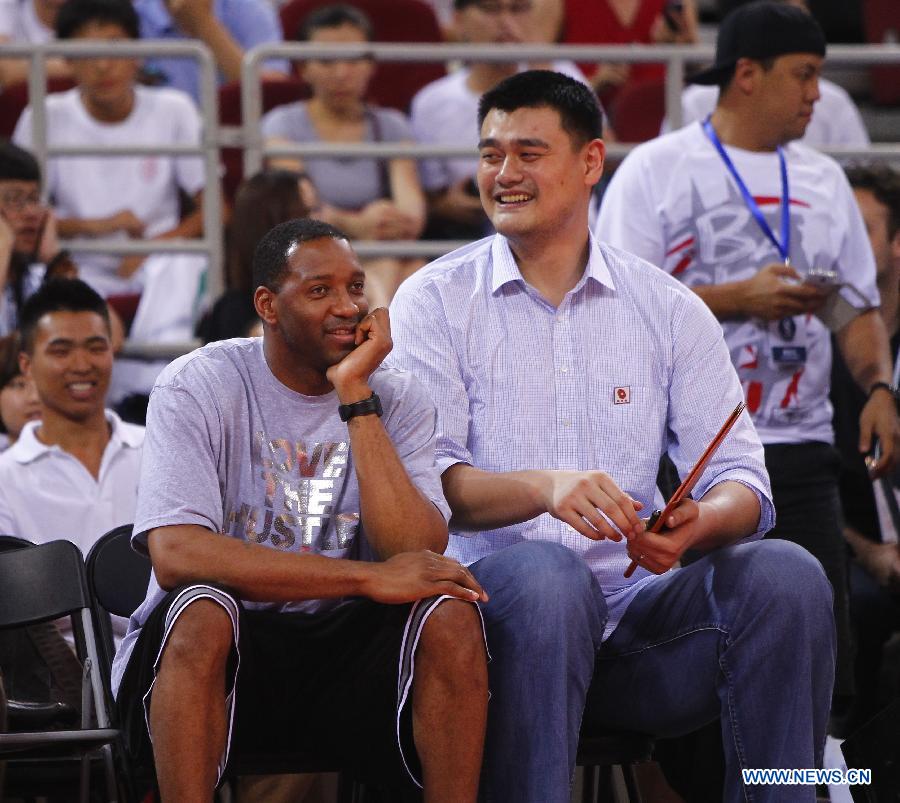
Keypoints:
(504, 268)
(28, 448)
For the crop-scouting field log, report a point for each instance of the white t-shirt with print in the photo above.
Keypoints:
(98, 186)
(835, 121)
(674, 203)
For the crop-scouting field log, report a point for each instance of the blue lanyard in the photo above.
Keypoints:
(783, 247)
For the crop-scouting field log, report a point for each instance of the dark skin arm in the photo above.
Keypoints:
(395, 514)
(190, 553)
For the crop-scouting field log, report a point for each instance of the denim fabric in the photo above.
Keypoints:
(745, 634)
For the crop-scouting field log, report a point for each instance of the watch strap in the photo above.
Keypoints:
(370, 406)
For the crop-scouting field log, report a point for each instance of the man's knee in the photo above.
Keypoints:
(453, 635)
(779, 573)
(201, 638)
(537, 571)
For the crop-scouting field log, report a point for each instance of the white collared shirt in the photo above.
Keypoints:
(47, 493)
(629, 366)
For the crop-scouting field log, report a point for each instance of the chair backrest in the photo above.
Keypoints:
(638, 110)
(40, 583)
(881, 19)
(117, 575)
(14, 99)
(393, 84)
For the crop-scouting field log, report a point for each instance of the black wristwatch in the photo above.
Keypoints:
(364, 407)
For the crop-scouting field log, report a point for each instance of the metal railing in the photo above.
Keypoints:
(208, 148)
(676, 57)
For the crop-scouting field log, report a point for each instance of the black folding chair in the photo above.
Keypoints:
(599, 753)
(39, 583)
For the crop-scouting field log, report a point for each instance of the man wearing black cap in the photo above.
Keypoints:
(766, 231)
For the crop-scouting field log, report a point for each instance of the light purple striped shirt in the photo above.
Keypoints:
(519, 384)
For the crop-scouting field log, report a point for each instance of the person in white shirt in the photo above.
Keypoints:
(133, 196)
(445, 112)
(835, 120)
(767, 232)
(74, 473)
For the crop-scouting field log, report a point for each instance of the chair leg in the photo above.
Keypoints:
(631, 784)
(85, 781)
(112, 787)
(588, 782)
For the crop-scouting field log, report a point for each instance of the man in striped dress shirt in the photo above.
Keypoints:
(562, 369)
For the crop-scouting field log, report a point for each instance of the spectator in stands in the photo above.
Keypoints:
(750, 219)
(835, 120)
(261, 203)
(369, 199)
(871, 517)
(445, 112)
(29, 248)
(28, 22)
(227, 27)
(74, 473)
(270, 476)
(129, 196)
(622, 22)
(19, 402)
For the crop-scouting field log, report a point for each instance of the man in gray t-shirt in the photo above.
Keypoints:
(282, 477)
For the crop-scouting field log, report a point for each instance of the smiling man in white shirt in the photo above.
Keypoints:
(73, 474)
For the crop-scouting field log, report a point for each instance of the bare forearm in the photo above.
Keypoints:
(865, 348)
(190, 226)
(725, 300)
(396, 516)
(189, 553)
(729, 511)
(860, 545)
(484, 500)
(226, 51)
(406, 192)
(91, 227)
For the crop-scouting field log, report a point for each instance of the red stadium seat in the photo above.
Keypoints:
(882, 24)
(274, 93)
(638, 110)
(393, 84)
(14, 99)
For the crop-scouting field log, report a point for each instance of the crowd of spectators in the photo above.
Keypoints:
(68, 457)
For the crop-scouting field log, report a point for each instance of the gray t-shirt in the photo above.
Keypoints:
(345, 183)
(230, 448)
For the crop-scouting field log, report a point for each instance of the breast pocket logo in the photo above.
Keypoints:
(622, 395)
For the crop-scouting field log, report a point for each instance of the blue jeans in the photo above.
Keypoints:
(745, 634)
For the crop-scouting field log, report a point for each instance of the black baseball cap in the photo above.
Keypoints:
(760, 31)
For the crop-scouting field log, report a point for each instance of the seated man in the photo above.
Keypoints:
(74, 473)
(70, 475)
(28, 241)
(131, 196)
(263, 512)
(562, 370)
